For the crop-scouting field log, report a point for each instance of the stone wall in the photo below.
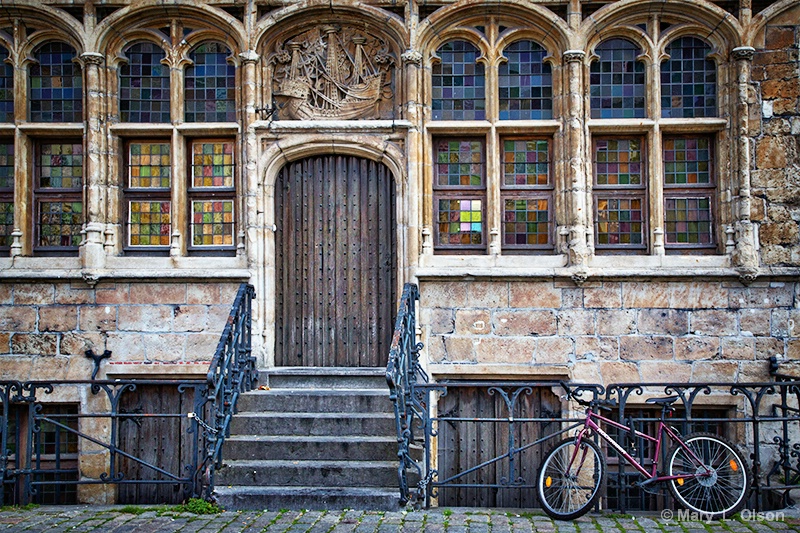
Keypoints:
(776, 178)
(45, 328)
(611, 331)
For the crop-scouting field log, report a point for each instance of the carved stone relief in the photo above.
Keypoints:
(333, 72)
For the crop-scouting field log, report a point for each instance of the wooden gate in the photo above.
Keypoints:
(335, 246)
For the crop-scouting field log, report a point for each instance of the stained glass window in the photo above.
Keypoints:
(212, 222)
(459, 84)
(526, 85)
(688, 80)
(144, 89)
(149, 223)
(617, 81)
(526, 222)
(60, 224)
(6, 192)
(687, 161)
(459, 163)
(460, 221)
(7, 164)
(619, 221)
(212, 164)
(526, 162)
(6, 88)
(61, 165)
(688, 220)
(6, 223)
(618, 162)
(56, 85)
(210, 85)
(149, 165)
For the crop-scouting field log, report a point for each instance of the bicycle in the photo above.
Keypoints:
(704, 472)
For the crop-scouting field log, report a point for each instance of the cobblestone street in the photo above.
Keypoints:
(118, 519)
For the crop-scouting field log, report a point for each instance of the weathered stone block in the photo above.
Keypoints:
(616, 322)
(75, 343)
(504, 349)
(793, 349)
(473, 322)
(576, 322)
(645, 295)
(201, 346)
(794, 323)
(164, 347)
(203, 294)
(17, 318)
(227, 293)
(158, 293)
(97, 318)
(147, 318)
(524, 323)
(74, 294)
(640, 348)
(442, 321)
(698, 295)
(779, 233)
(491, 294)
(126, 346)
(93, 465)
(6, 294)
(618, 372)
(585, 372)
(717, 323)
(771, 153)
(526, 294)
(553, 351)
(112, 293)
(96, 494)
(767, 347)
(5, 343)
(443, 294)
(34, 294)
(754, 321)
(779, 326)
(54, 368)
(711, 371)
(694, 348)
(58, 318)
(609, 296)
(34, 343)
(780, 295)
(571, 298)
(743, 348)
(665, 372)
(663, 322)
(190, 318)
(459, 349)
(597, 348)
(779, 37)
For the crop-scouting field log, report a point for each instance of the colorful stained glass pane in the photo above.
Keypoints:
(618, 162)
(212, 164)
(687, 161)
(60, 224)
(149, 166)
(60, 165)
(688, 220)
(688, 80)
(620, 221)
(460, 222)
(149, 223)
(144, 91)
(6, 223)
(212, 223)
(459, 84)
(210, 85)
(6, 88)
(526, 222)
(526, 83)
(617, 81)
(6, 165)
(56, 85)
(526, 163)
(459, 163)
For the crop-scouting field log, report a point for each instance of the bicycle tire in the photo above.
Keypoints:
(717, 496)
(561, 495)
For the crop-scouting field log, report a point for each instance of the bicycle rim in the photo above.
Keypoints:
(569, 491)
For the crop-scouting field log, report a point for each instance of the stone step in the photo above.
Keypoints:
(319, 424)
(310, 448)
(326, 378)
(316, 401)
(309, 473)
(312, 498)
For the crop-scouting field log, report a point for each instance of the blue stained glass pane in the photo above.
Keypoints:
(210, 69)
(687, 72)
(144, 70)
(54, 70)
(458, 69)
(517, 100)
(617, 81)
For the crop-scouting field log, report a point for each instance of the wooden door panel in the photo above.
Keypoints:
(335, 262)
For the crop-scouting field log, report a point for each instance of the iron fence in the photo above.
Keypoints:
(59, 435)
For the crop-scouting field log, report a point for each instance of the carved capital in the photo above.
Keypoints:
(743, 53)
(411, 56)
(93, 58)
(250, 56)
(573, 55)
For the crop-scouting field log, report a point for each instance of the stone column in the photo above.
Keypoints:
(92, 252)
(576, 167)
(745, 256)
(411, 69)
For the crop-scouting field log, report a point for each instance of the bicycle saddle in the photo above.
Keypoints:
(669, 400)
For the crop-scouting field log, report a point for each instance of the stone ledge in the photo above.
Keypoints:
(152, 370)
(498, 371)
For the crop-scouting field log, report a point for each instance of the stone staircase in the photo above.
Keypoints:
(319, 438)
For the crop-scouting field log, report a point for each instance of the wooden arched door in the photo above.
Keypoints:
(335, 247)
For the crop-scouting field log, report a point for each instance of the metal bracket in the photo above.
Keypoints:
(97, 358)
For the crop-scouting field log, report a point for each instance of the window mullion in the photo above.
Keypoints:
(656, 192)
(179, 196)
(493, 200)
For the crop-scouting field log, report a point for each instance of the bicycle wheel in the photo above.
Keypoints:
(717, 495)
(567, 491)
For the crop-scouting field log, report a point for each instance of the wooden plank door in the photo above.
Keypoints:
(335, 246)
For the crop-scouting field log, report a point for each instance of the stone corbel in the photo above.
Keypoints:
(175, 245)
(411, 57)
(92, 251)
(579, 252)
(249, 56)
(427, 241)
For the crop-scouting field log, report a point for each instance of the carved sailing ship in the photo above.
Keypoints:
(330, 76)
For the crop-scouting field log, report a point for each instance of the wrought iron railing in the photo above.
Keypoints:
(140, 435)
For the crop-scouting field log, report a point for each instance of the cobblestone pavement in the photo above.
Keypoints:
(129, 519)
